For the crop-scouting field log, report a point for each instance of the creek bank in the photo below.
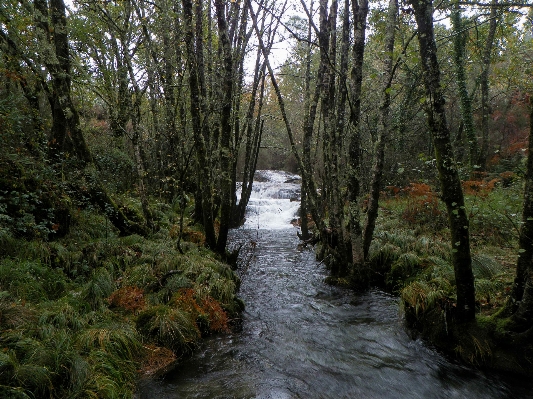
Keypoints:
(417, 268)
(486, 343)
(92, 312)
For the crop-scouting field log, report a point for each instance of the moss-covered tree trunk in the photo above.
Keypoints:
(66, 132)
(452, 193)
(522, 293)
(459, 53)
(384, 124)
(484, 83)
(360, 12)
(195, 66)
(308, 132)
(226, 162)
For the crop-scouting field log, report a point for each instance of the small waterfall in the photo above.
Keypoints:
(275, 200)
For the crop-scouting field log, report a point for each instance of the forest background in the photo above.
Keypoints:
(131, 131)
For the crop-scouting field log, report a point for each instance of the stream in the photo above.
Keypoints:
(302, 338)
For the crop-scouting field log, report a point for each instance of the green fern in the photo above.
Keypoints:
(485, 267)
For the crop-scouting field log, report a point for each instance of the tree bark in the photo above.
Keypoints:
(452, 193)
(225, 128)
(459, 49)
(384, 124)
(521, 301)
(66, 130)
(199, 123)
(360, 11)
(484, 82)
(69, 133)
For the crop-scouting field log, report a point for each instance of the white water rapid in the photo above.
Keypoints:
(274, 201)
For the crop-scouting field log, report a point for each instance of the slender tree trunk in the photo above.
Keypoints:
(384, 125)
(311, 106)
(226, 128)
(311, 188)
(308, 131)
(484, 82)
(459, 50)
(360, 11)
(452, 193)
(199, 123)
(327, 45)
(253, 133)
(521, 300)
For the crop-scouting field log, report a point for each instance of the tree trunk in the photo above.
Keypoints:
(253, 131)
(383, 128)
(310, 107)
(225, 128)
(452, 193)
(195, 67)
(58, 65)
(311, 188)
(308, 131)
(360, 11)
(459, 49)
(484, 82)
(521, 300)
(66, 130)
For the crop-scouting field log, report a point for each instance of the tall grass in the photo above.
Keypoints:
(77, 313)
(416, 260)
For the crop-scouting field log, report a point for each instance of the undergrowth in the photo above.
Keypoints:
(411, 250)
(84, 315)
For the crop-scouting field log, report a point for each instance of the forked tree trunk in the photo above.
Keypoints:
(69, 134)
(452, 193)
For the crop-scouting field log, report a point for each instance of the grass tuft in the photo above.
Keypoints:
(169, 327)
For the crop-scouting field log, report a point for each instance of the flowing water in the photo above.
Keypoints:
(301, 338)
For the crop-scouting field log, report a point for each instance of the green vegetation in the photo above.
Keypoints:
(115, 114)
(83, 314)
(412, 257)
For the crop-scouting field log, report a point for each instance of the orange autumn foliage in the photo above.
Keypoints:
(479, 188)
(422, 204)
(128, 298)
(206, 307)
